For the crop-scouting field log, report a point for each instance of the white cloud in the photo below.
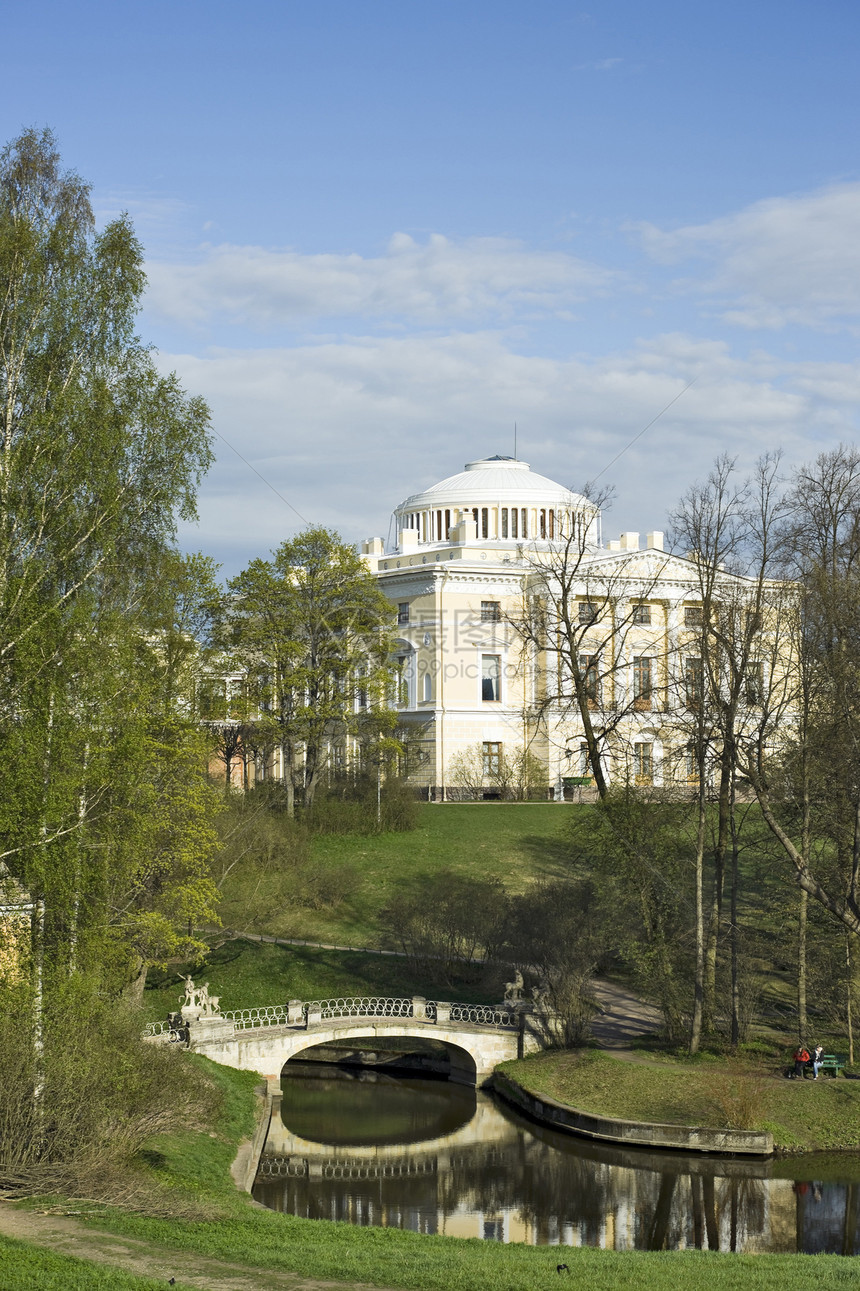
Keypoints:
(602, 65)
(431, 282)
(346, 430)
(781, 261)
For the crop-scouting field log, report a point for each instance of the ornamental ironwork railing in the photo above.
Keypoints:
(273, 1015)
(300, 1013)
(165, 1032)
(371, 1006)
(484, 1015)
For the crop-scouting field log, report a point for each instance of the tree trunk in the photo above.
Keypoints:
(287, 778)
(717, 898)
(735, 930)
(699, 986)
(801, 965)
(134, 990)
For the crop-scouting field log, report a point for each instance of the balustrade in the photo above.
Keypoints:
(298, 1013)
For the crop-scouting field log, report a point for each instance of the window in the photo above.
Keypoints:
(692, 763)
(642, 615)
(447, 525)
(403, 612)
(588, 669)
(524, 528)
(587, 612)
(543, 522)
(552, 524)
(694, 682)
(212, 699)
(692, 616)
(492, 751)
(491, 611)
(584, 760)
(504, 522)
(643, 762)
(428, 688)
(485, 522)
(475, 518)
(401, 681)
(754, 683)
(491, 669)
(752, 622)
(438, 526)
(642, 681)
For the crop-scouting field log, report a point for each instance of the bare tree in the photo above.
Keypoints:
(580, 605)
(802, 759)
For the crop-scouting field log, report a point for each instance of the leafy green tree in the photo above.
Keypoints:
(100, 454)
(315, 634)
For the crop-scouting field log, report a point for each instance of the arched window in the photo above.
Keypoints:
(428, 688)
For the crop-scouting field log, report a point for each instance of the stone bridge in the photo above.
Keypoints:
(476, 1036)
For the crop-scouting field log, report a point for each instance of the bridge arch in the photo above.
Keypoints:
(464, 1062)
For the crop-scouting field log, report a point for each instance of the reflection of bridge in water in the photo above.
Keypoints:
(496, 1176)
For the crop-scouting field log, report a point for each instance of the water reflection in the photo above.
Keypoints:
(439, 1158)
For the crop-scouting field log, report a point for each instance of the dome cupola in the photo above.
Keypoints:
(501, 501)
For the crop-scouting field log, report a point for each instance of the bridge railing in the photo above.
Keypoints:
(371, 1006)
(273, 1015)
(164, 1031)
(299, 1013)
(484, 1015)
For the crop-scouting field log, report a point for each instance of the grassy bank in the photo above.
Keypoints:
(193, 1169)
(803, 1116)
(513, 841)
(248, 974)
(25, 1268)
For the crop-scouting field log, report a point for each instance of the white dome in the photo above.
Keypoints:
(491, 479)
(507, 502)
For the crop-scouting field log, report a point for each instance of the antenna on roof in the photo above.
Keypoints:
(515, 441)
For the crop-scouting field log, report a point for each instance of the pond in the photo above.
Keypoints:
(399, 1151)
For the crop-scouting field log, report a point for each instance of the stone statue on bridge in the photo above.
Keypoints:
(514, 990)
(197, 1002)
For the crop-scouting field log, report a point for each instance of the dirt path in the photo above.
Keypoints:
(624, 1019)
(66, 1236)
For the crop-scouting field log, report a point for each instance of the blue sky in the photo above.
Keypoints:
(378, 234)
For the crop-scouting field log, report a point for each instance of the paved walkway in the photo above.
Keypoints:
(65, 1235)
(625, 1018)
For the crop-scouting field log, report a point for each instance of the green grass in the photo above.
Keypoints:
(247, 974)
(31, 1268)
(512, 841)
(195, 1166)
(802, 1115)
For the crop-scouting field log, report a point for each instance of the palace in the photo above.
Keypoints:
(498, 574)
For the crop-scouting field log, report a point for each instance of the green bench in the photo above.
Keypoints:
(832, 1063)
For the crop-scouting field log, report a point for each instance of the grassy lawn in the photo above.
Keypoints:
(26, 1268)
(512, 841)
(193, 1168)
(801, 1115)
(247, 974)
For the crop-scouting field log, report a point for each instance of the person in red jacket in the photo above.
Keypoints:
(801, 1058)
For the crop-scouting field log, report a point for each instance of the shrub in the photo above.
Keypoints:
(79, 1097)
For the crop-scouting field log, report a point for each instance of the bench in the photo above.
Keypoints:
(832, 1063)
